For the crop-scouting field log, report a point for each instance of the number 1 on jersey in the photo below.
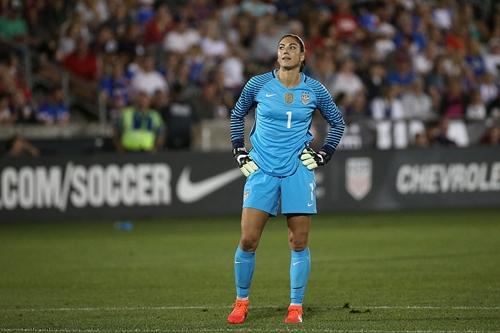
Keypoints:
(289, 122)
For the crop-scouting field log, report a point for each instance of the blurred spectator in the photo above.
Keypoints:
(197, 65)
(11, 80)
(358, 110)
(67, 41)
(266, 37)
(114, 88)
(436, 82)
(454, 100)
(476, 109)
(158, 26)
(244, 29)
(315, 41)
(53, 110)
(208, 104)
(257, 8)
(347, 81)
(410, 33)
(22, 108)
(144, 11)
(6, 113)
(491, 137)
(94, 12)
(82, 61)
(128, 44)
(420, 140)
(233, 68)
(105, 41)
(474, 58)
(323, 69)
(442, 15)
(384, 44)
(417, 103)
(139, 128)
(118, 18)
(229, 10)
(147, 78)
(341, 101)
(159, 100)
(423, 62)
(17, 146)
(488, 88)
(438, 134)
(375, 79)
(212, 44)
(388, 106)
(492, 57)
(181, 121)
(13, 25)
(181, 38)
(403, 75)
(344, 21)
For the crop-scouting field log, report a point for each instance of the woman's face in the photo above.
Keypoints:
(289, 53)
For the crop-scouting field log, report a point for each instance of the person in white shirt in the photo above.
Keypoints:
(147, 78)
(347, 81)
(181, 38)
(416, 103)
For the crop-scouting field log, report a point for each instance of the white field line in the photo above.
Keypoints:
(206, 330)
(215, 307)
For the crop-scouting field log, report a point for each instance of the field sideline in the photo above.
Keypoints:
(412, 272)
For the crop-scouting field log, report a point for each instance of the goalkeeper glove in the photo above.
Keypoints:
(312, 159)
(245, 162)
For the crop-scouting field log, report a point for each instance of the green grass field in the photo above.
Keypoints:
(433, 271)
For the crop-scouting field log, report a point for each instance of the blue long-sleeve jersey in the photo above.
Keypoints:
(283, 120)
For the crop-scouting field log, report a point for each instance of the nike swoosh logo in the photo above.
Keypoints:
(310, 204)
(297, 262)
(270, 95)
(188, 191)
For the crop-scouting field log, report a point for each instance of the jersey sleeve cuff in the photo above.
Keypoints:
(328, 149)
(238, 144)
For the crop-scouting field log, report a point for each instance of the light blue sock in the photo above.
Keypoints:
(244, 264)
(300, 266)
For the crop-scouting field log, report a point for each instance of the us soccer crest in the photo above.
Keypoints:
(289, 98)
(305, 98)
(358, 177)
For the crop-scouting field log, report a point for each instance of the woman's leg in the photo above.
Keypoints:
(253, 222)
(300, 264)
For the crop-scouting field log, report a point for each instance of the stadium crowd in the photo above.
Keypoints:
(404, 73)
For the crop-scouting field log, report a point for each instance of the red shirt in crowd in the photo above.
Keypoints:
(83, 65)
(154, 32)
(345, 24)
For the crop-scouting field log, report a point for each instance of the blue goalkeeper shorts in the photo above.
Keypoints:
(297, 192)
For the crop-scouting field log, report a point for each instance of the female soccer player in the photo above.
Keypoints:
(285, 100)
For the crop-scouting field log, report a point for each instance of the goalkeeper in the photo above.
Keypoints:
(280, 166)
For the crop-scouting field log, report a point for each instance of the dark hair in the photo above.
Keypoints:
(302, 47)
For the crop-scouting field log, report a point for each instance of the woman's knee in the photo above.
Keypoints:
(249, 244)
(298, 242)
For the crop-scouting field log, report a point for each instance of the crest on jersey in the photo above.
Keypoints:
(288, 98)
(358, 176)
(305, 98)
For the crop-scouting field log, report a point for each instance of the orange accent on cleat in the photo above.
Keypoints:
(294, 314)
(239, 313)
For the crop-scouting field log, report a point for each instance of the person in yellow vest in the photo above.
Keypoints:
(139, 128)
